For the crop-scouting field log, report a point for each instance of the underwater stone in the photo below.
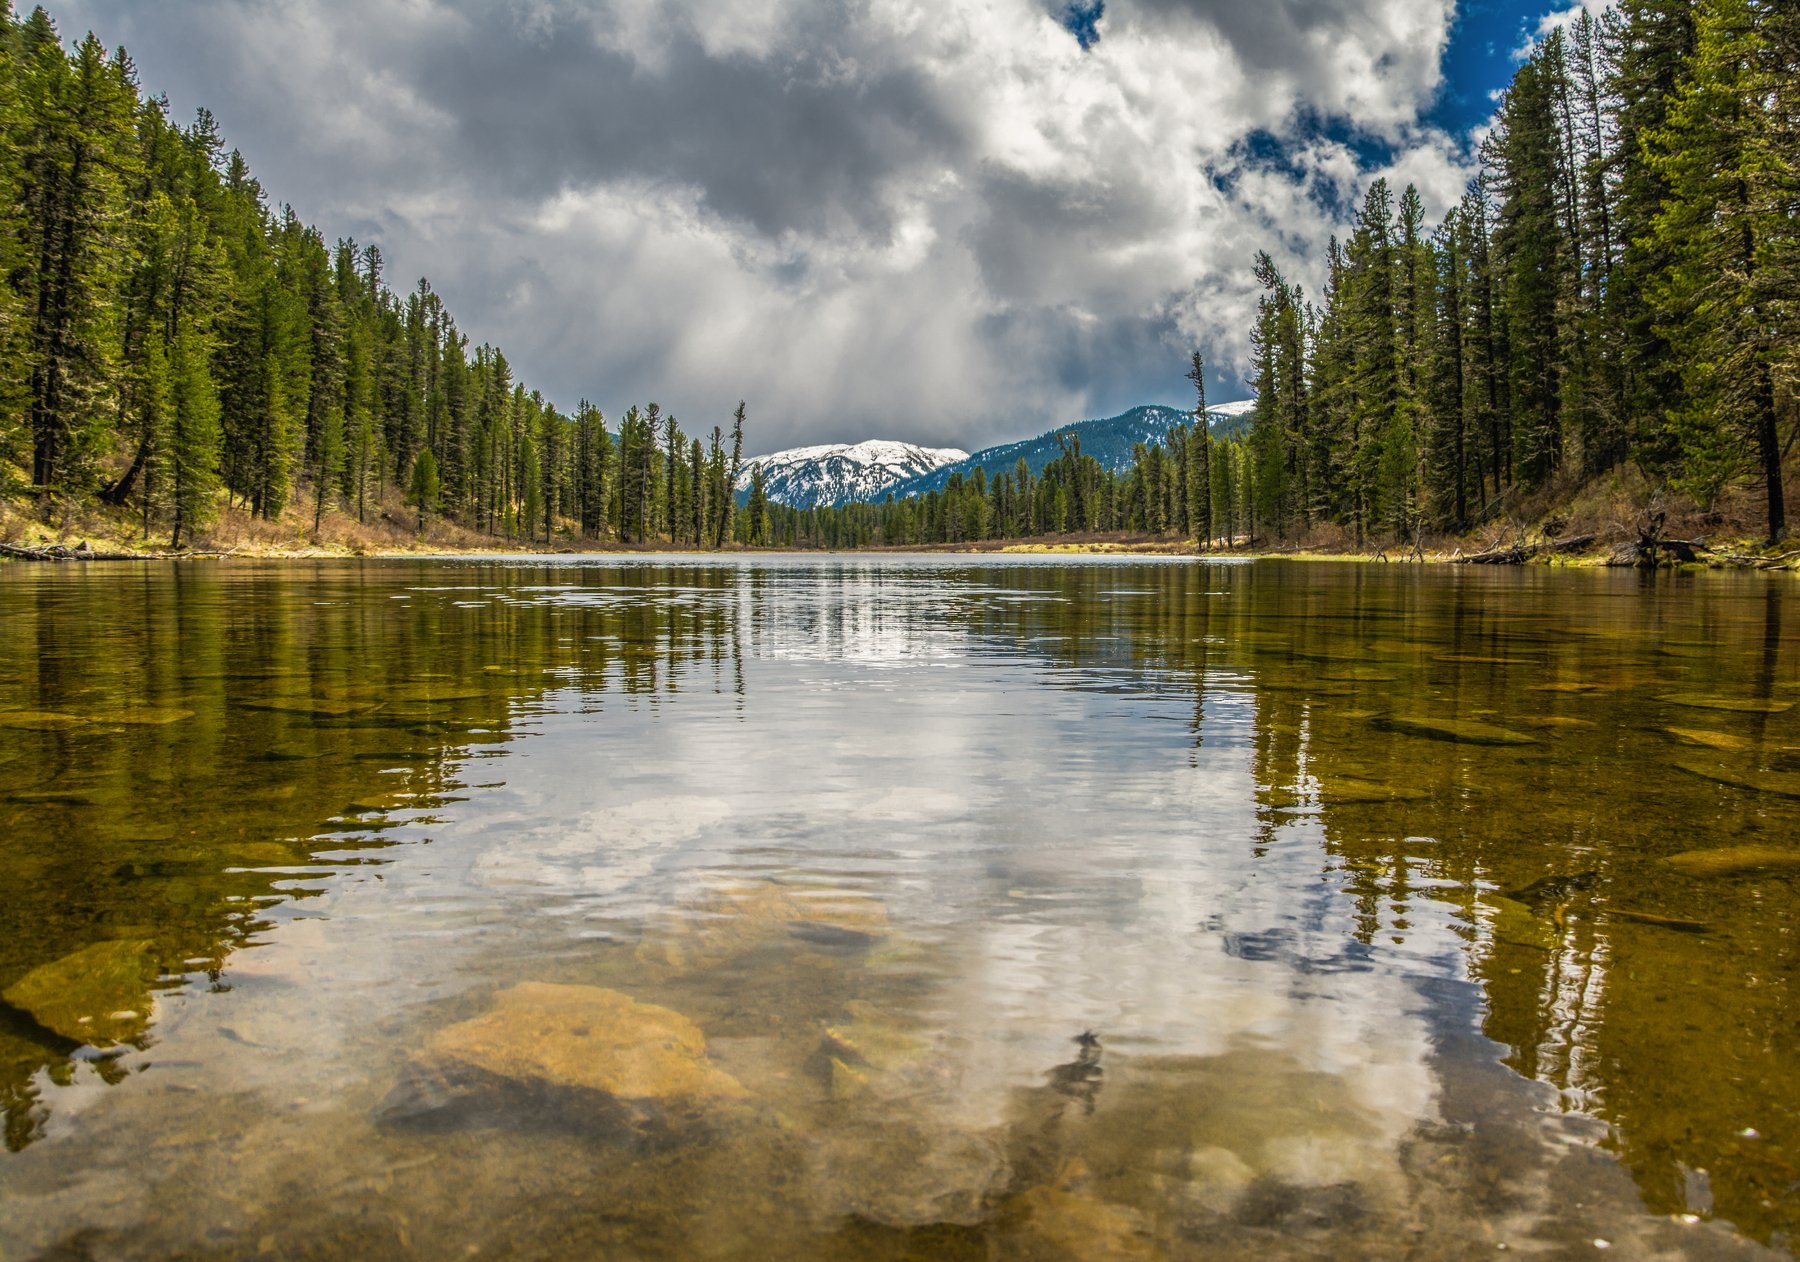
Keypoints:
(1738, 705)
(730, 922)
(1710, 739)
(1061, 1226)
(1785, 784)
(1731, 860)
(638, 1064)
(99, 994)
(1462, 731)
(905, 1172)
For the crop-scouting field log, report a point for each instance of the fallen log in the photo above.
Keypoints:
(58, 552)
(1514, 554)
(1759, 563)
(1684, 551)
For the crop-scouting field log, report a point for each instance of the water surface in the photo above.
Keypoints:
(1033, 909)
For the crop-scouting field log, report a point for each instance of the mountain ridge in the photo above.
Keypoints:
(1111, 440)
(835, 474)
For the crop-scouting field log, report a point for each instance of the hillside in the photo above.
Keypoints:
(1110, 440)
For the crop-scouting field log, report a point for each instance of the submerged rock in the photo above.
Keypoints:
(1513, 922)
(1352, 790)
(1732, 860)
(40, 720)
(902, 1171)
(736, 920)
(1785, 784)
(1342, 791)
(1557, 887)
(1728, 741)
(871, 1040)
(1740, 705)
(319, 707)
(99, 994)
(1062, 1226)
(621, 1063)
(894, 1142)
(1461, 731)
(144, 715)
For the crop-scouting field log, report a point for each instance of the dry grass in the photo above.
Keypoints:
(1614, 508)
(390, 528)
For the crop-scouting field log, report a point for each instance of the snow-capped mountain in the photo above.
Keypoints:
(1112, 441)
(1231, 420)
(843, 473)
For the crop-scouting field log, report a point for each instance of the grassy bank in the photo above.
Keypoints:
(1608, 522)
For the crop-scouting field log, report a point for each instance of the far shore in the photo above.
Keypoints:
(1694, 554)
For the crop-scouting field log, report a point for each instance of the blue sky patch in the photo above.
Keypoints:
(1480, 61)
(1082, 20)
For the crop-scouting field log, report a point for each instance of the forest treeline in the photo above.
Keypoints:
(1620, 285)
(170, 341)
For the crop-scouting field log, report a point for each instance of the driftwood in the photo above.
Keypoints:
(1518, 552)
(1679, 550)
(56, 552)
(1653, 549)
(85, 552)
(1416, 550)
(1756, 562)
(1514, 554)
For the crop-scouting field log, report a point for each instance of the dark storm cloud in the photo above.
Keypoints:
(949, 222)
(781, 145)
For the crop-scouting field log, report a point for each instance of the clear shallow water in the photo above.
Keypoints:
(1034, 909)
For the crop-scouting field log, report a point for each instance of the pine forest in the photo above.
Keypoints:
(1617, 291)
(174, 342)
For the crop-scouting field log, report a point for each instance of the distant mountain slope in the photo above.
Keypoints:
(1111, 441)
(842, 473)
(1231, 420)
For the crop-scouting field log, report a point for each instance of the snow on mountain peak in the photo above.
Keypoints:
(841, 473)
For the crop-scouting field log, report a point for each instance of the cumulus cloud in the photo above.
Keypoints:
(948, 222)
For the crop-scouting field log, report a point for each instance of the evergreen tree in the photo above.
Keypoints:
(1198, 462)
(422, 491)
(1722, 308)
(757, 508)
(75, 150)
(194, 437)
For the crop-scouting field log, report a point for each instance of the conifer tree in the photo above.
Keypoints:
(422, 491)
(1717, 306)
(75, 149)
(194, 439)
(1199, 462)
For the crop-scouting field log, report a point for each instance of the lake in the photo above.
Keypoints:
(897, 907)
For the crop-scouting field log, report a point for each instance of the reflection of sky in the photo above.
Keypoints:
(1058, 848)
(1050, 830)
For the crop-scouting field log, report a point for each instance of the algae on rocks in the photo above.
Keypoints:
(98, 995)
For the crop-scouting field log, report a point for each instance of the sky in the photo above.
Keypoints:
(951, 222)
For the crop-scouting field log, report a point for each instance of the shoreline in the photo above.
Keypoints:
(99, 537)
(84, 551)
